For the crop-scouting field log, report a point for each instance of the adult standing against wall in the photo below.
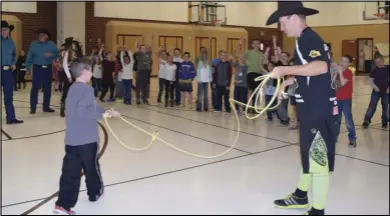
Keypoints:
(39, 61)
(8, 61)
(367, 56)
(255, 61)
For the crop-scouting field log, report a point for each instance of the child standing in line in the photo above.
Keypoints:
(162, 73)
(118, 76)
(21, 68)
(240, 82)
(127, 74)
(97, 72)
(186, 75)
(170, 78)
(108, 75)
(81, 141)
(270, 92)
(222, 78)
(204, 77)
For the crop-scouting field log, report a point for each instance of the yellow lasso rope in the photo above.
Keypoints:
(257, 107)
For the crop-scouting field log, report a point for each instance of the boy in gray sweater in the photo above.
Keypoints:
(81, 140)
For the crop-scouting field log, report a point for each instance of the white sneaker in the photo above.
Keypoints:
(61, 211)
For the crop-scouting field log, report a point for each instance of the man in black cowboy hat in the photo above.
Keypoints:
(8, 61)
(39, 60)
(317, 105)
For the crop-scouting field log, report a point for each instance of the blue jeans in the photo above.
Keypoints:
(203, 91)
(161, 87)
(8, 88)
(41, 77)
(375, 96)
(241, 95)
(345, 106)
(126, 90)
(282, 111)
(97, 85)
(268, 99)
(213, 96)
(177, 92)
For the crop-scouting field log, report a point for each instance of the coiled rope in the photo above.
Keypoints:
(257, 93)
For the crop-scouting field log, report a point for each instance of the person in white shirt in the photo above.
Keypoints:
(204, 77)
(177, 60)
(161, 74)
(367, 56)
(170, 78)
(97, 72)
(127, 74)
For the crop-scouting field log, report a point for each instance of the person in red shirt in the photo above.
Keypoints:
(344, 99)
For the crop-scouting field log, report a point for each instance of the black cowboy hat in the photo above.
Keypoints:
(43, 31)
(287, 8)
(4, 24)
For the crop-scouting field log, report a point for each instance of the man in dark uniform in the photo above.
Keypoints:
(39, 61)
(316, 103)
(8, 61)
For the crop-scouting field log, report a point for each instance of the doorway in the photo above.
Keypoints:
(349, 47)
(365, 47)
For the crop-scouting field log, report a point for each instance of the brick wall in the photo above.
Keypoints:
(46, 17)
(95, 28)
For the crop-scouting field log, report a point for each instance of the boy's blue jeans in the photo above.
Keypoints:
(345, 106)
(274, 103)
(375, 96)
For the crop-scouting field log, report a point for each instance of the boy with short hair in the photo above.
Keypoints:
(186, 76)
(344, 99)
(81, 139)
(222, 78)
(379, 80)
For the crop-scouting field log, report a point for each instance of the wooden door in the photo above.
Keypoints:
(129, 41)
(349, 47)
(170, 43)
(205, 42)
(232, 44)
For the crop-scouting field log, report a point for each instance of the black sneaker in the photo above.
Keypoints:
(198, 110)
(292, 202)
(366, 124)
(315, 212)
(49, 110)
(138, 102)
(384, 126)
(32, 112)
(206, 110)
(15, 121)
(97, 197)
(352, 144)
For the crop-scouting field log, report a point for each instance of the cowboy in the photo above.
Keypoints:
(316, 104)
(8, 61)
(39, 61)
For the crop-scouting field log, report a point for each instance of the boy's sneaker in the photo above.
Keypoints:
(198, 110)
(61, 211)
(366, 124)
(97, 197)
(138, 102)
(292, 202)
(384, 126)
(352, 144)
(111, 100)
(315, 212)
(206, 110)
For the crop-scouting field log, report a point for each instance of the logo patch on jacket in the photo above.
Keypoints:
(314, 53)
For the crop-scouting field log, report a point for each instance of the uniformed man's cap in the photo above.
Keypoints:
(43, 31)
(287, 8)
(4, 24)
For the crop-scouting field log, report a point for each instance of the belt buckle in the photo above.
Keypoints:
(44, 66)
(6, 67)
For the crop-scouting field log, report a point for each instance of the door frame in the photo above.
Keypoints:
(357, 50)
